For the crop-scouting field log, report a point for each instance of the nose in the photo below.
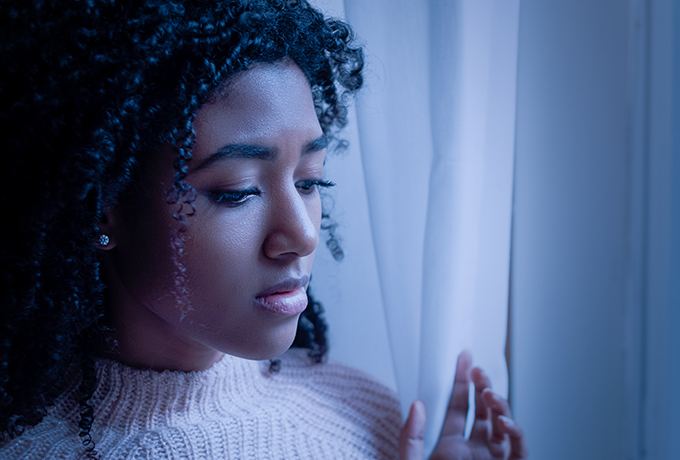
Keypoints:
(294, 224)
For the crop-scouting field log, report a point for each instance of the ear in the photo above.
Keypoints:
(107, 231)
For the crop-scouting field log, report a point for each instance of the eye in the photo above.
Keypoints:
(232, 198)
(308, 187)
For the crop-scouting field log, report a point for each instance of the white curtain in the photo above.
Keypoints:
(436, 138)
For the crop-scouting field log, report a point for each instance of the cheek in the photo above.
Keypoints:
(221, 256)
(224, 235)
(315, 211)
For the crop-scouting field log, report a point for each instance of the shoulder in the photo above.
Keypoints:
(55, 437)
(341, 404)
(306, 410)
(336, 381)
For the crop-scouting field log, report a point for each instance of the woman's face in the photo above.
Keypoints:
(249, 247)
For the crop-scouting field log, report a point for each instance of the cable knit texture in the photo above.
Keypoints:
(237, 409)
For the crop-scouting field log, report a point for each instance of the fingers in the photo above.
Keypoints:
(481, 382)
(499, 407)
(411, 443)
(481, 429)
(456, 412)
(518, 447)
(493, 424)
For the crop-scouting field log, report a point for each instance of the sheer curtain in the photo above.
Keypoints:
(436, 140)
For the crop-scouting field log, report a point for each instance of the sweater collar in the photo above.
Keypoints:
(145, 397)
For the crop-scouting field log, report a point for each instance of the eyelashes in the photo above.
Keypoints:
(234, 198)
(309, 186)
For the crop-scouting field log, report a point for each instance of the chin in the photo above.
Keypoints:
(269, 352)
(265, 346)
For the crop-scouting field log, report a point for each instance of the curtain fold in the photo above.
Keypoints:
(436, 130)
(427, 235)
(394, 131)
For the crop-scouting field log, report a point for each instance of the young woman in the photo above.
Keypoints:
(163, 166)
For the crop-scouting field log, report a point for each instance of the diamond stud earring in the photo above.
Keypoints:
(104, 240)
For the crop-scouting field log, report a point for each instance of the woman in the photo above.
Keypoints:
(165, 161)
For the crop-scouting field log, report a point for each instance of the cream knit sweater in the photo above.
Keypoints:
(236, 409)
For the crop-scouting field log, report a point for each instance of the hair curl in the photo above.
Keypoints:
(86, 88)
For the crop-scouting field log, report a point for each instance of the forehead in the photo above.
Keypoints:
(260, 106)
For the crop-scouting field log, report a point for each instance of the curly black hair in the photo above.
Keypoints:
(87, 87)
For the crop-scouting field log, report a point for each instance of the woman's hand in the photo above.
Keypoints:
(494, 434)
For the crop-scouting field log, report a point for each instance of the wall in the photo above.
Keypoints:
(571, 224)
(661, 404)
(674, 359)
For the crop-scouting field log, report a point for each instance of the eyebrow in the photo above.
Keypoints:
(257, 152)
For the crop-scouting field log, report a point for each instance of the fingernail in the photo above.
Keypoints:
(419, 406)
(418, 409)
(496, 399)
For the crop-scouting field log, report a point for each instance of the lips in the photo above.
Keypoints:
(286, 298)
